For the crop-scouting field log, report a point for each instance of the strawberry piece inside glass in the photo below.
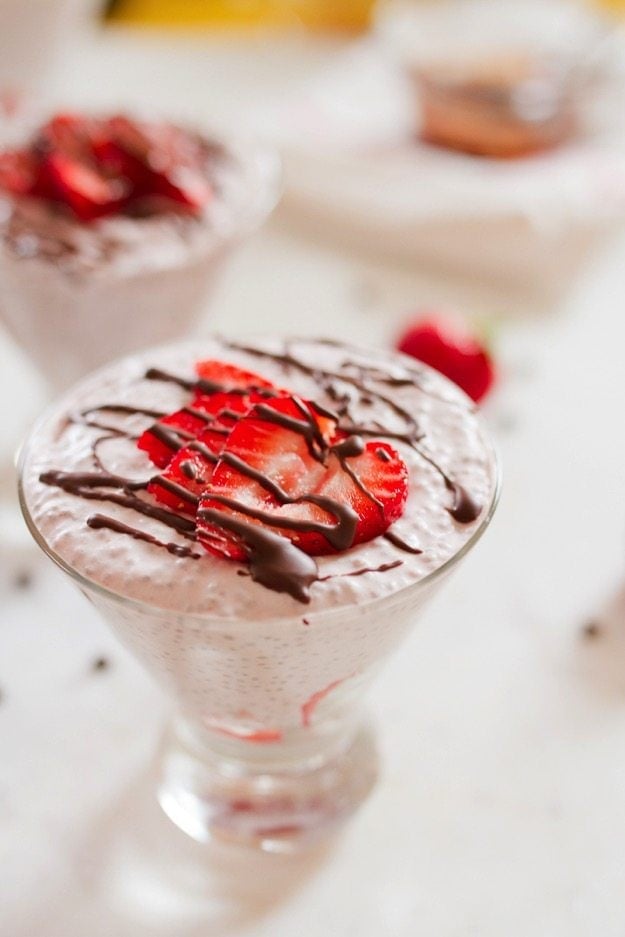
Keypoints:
(98, 167)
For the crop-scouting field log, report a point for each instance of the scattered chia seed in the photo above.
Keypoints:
(23, 580)
(100, 663)
(592, 630)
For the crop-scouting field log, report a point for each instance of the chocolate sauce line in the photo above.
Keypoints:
(86, 484)
(205, 386)
(125, 409)
(274, 561)
(102, 521)
(339, 535)
(349, 448)
(464, 509)
(343, 531)
(175, 489)
(156, 374)
(361, 485)
(213, 419)
(174, 438)
(307, 427)
(385, 567)
(413, 376)
(401, 544)
(70, 480)
(314, 430)
(95, 449)
(323, 376)
(82, 420)
(204, 451)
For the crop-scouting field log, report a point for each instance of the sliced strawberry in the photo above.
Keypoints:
(228, 377)
(161, 161)
(283, 467)
(192, 466)
(224, 392)
(89, 194)
(102, 166)
(69, 134)
(129, 135)
(184, 185)
(190, 471)
(117, 162)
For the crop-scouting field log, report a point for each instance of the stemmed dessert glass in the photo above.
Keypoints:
(294, 757)
(68, 324)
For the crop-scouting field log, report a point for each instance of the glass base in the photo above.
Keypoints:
(276, 807)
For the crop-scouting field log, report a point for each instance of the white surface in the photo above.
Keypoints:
(354, 164)
(501, 810)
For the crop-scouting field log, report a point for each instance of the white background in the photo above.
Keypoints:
(501, 809)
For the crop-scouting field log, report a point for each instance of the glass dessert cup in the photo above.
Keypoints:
(70, 321)
(499, 108)
(268, 746)
(501, 80)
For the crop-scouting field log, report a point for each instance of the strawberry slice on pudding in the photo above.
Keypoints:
(185, 444)
(285, 468)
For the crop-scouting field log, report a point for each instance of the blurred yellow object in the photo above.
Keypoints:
(314, 14)
(617, 6)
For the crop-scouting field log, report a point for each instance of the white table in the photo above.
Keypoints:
(501, 810)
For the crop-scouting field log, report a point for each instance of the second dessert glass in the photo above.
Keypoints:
(268, 745)
(70, 317)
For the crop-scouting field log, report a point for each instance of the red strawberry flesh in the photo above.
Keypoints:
(185, 444)
(455, 353)
(98, 167)
(283, 467)
(89, 194)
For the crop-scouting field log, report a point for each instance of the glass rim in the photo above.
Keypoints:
(87, 584)
(261, 171)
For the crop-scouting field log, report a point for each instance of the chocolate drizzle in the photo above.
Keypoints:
(463, 509)
(202, 386)
(175, 489)
(87, 485)
(173, 438)
(100, 521)
(124, 409)
(339, 535)
(306, 427)
(383, 568)
(400, 543)
(188, 470)
(274, 560)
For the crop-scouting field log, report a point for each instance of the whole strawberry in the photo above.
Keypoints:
(453, 350)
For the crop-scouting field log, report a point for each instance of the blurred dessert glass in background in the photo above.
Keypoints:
(504, 106)
(503, 80)
(112, 232)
